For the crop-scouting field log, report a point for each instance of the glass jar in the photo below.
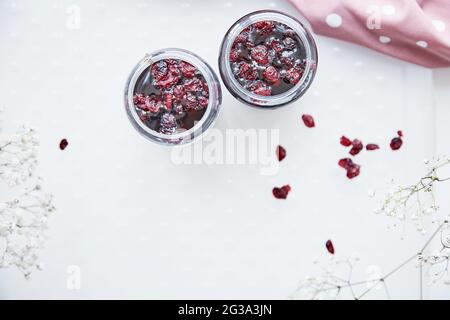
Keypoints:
(268, 59)
(172, 96)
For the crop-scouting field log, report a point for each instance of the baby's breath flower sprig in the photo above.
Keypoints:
(24, 218)
(334, 282)
(417, 201)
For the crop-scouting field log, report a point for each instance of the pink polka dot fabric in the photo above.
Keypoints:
(417, 31)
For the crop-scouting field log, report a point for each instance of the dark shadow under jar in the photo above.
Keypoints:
(268, 59)
(172, 96)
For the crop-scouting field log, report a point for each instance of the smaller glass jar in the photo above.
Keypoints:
(172, 96)
(268, 59)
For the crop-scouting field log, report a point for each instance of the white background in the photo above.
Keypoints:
(139, 226)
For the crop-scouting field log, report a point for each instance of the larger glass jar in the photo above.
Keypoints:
(268, 59)
(172, 96)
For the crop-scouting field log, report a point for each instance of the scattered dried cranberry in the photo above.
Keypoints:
(372, 146)
(357, 147)
(63, 144)
(400, 133)
(281, 153)
(308, 120)
(330, 247)
(281, 193)
(396, 143)
(352, 168)
(346, 142)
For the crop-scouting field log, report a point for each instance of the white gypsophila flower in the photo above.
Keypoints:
(24, 218)
(415, 202)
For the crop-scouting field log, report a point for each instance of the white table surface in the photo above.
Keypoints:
(219, 233)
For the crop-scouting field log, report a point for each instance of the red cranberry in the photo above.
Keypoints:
(308, 120)
(353, 171)
(372, 146)
(281, 193)
(330, 247)
(168, 81)
(264, 27)
(400, 133)
(191, 101)
(346, 142)
(289, 43)
(63, 144)
(281, 153)
(396, 143)
(276, 45)
(152, 104)
(352, 168)
(168, 101)
(159, 70)
(293, 76)
(258, 87)
(168, 124)
(247, 72)
(260, 54)
(234, 55)
(187, 69)
(193, 85)
(139, 100)
(202, 101)
(345, 163)
(357, 147)
(271, 74)
(178, 92)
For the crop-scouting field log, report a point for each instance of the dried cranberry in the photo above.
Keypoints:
(260, 54)
(276, 45)
(159, 70)
(400, 133)
(187, 69)
(346, 142)
(168, 101)
(168, 81)
(178, 92)
(234, 55)
(345, 163)
(63, 144)
(202, 101)
(259, 88)
(281, 153)
(357, 147)
(247, 72)
(152, 104)
(293, 75)
(330, 247)
(372, 146)
(193, 85)
(139, 100)
(264, 27)
(396, 143)
(191, 101)
(271, 75)
(168, 124)
(353, 171)
(289, 43)
(308, 120)
(352, 168)
(281, 193)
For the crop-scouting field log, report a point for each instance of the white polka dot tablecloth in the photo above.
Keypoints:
(136, 225)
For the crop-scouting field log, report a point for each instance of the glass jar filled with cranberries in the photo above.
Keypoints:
(268, 59)
(172, 96)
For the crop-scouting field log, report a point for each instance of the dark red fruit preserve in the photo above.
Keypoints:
(268, 58)
(172, 96)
